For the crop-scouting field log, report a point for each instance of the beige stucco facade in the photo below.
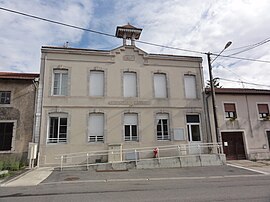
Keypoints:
(253, 129)
(78, 103)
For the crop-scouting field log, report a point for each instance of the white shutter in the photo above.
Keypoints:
(96, 125)
(130, 84)
(161, 116)
(160, 85)
(96, 83)
(130, 119)
(190, 86)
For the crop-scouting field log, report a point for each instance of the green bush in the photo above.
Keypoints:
(1, 165)
(14, 166)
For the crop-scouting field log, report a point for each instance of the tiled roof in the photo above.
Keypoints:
(14, 75)
(128, 26)
(249, 91)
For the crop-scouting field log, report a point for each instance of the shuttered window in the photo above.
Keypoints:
(230, 110)
(96, 83)
(60, 82)
(162, 126)
(263, 110)
(190, 86)
(160, 85)
(96, 127)
(130, 84)
(131, 127)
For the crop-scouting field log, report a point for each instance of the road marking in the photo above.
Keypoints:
(250, 169)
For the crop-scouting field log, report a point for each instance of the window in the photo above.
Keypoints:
(6, 133)
(268, 137)
(160, 85)
(193, 128)
(130, 84)
(190, 86)
(57, 128)
(162, 124)
(96, 127)
(96, 83)
(60, 83)
(131, 127)
(5, 97)
(263, 110)
(230, 110)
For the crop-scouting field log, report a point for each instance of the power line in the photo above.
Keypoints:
(94, 31)
(256, 84)
(110, 35)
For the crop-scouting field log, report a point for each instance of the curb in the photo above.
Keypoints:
(250, 169)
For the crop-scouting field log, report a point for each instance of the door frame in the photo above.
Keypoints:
(13, 135)
(243, 137)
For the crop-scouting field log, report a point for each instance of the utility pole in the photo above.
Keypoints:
(213, 95)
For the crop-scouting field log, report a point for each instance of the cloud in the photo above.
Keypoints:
(195, 25)
(22, 37)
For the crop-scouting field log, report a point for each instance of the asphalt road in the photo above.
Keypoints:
(254, 188)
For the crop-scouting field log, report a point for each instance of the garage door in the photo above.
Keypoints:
(233, 145)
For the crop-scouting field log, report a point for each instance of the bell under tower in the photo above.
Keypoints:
(128, 32)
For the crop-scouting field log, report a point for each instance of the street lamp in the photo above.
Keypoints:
(218, 135)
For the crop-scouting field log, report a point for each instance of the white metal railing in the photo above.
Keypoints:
(138, 154)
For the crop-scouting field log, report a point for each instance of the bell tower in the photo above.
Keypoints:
(128, 32)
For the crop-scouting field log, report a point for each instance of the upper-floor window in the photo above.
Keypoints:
(60, 82)
(162, 126)
(5, 97)
(193, 128)
(130, 84)
(230, 110)
(160, 85)
(57, 128)
(96, 83)
(190, 86)
(263, 110)
(131, 127)
(96, 127)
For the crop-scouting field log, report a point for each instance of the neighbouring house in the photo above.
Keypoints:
(94, 100)
(17, 106)
(244, 122)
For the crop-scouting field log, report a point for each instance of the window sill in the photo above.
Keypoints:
(6, 152)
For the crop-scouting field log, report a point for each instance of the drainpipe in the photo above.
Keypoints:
(38, 110)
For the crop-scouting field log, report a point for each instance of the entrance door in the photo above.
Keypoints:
(268, 137)
(6, 130)
(233, 145)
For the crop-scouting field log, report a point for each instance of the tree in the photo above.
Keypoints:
(215, 82)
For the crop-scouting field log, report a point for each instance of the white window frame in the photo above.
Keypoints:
(61, 85)
(131, 137)
(163, 137)
(189, 95)
(57, 140)
(189, 126)
(157, 94)
(133, 92)
(99, 94)
(96, 138)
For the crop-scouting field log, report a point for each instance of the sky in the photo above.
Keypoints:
(197, 25)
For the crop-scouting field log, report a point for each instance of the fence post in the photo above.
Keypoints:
(199, 146)
(61, 163)
(136, 159)
(158, 155)
(87, 168)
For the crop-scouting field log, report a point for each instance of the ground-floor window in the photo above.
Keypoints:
(6, 133)
(96, 127)
(162, 126)
(193, 128)
(131, 127)
(57, 128)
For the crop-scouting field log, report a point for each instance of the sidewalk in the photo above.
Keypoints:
(46, 175)
(257, 166)
(29, 178)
